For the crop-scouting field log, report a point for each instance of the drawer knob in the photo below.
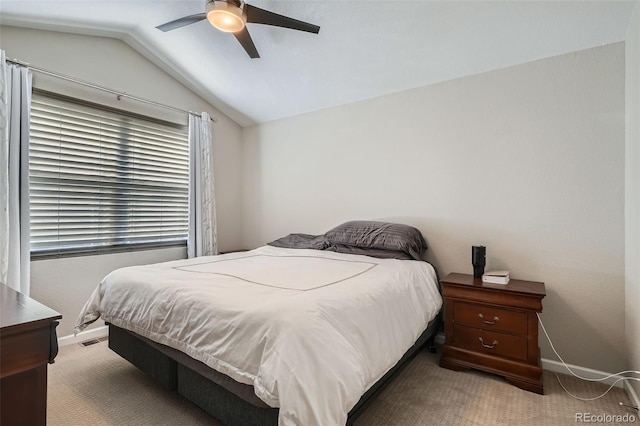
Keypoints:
(491, 346)
(495, 320)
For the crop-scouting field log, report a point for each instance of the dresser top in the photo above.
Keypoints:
(16, 309)
(515, 286)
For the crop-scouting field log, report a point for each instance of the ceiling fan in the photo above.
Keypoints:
(231, 16)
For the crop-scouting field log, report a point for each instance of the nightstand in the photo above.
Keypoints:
(493, 328)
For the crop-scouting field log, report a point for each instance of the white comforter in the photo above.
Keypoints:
(310, 330)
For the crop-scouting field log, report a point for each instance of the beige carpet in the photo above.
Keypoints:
(94, 386)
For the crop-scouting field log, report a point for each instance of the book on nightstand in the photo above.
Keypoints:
(496, 277)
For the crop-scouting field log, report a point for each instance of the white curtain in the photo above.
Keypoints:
(15, 106)
(202, 239)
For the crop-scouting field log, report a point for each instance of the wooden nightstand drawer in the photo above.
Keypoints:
(499, 344)
(490, 318)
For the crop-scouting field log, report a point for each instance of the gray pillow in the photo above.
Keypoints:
(379, 253)
(379, 235)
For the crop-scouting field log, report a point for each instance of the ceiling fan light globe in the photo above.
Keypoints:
(225, 17)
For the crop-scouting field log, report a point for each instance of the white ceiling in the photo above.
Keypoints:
(364, 49)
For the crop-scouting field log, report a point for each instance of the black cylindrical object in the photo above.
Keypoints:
(478, 260)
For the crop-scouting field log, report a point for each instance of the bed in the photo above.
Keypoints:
(278, 335)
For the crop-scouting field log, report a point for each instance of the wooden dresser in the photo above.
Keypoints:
(494, 328)
(28, 342)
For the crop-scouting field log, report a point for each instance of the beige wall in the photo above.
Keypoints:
(66, 284)
(632, 196)
(527, 160)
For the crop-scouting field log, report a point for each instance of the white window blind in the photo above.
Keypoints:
(103, 180)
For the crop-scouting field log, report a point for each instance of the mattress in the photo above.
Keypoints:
(311, 331)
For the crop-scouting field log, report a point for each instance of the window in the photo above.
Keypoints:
(104, 180)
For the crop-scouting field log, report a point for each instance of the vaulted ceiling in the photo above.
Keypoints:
(364, 49)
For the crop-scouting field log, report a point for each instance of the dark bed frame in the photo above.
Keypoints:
(231, 402)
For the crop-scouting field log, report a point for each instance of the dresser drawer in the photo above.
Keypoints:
(490, 318)
(20, 352)
(499, 344)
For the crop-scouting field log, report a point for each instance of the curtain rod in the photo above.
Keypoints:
(105, 89)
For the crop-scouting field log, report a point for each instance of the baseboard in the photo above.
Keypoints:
(94, 333)
(558, 367)
(632, 394)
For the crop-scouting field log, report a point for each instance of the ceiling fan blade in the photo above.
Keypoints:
(187, 20)
(245, 40)
(255, 15)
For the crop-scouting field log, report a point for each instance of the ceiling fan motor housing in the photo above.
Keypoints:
(237, 3)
